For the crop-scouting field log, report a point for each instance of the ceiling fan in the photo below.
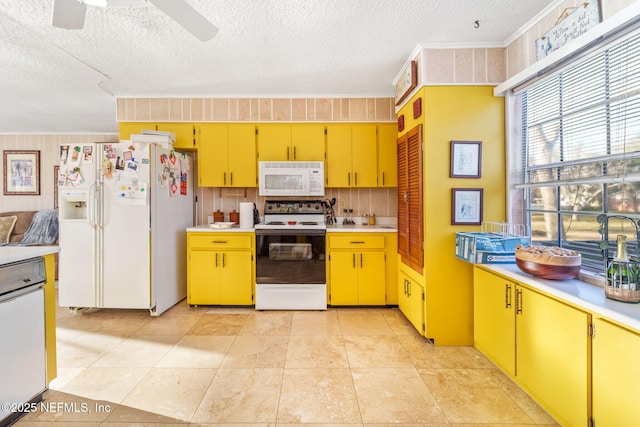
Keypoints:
(69, 14)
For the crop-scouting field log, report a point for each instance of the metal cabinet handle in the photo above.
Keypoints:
(288, 153)
(216, 260)
(224, 179)
(218, 241)
(360, 260)
(348, 178)
(382, 178)
(294, 153)
(223, 260)
(230, 178)
(518, 301)
(357, 242)
(409, 288)
(354, 260)
(355, 178)
(507, 295)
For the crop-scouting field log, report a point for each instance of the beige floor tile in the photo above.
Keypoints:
(383, 351)
(470, 396)
(166, 392)
(268, 323)
(318, 396)
(84, 348)
(138, 351)
(218, 324)
(241, 396)
(434, 357)
(316, 352)
(108, 384)
(64, 376)
(363, 322)
(316, 323)
(526, 403)
(257, 352)
(194, 351)
(168, 324)
(395, 395)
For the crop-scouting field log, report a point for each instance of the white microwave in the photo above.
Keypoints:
(291, 178)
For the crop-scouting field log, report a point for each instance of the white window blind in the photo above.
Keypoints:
(580, 151)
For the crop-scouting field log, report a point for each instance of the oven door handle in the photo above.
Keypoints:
(289, 232)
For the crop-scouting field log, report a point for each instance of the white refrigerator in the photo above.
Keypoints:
(124, 209)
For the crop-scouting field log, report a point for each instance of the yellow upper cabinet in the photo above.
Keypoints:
(387, 155)
(185, 136)
(304, 142)
(352, 157)
(307, 142)
(184, 132)
(226, 155)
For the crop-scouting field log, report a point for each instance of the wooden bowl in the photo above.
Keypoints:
(544, 263)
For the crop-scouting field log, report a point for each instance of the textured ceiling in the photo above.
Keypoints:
(56, 80)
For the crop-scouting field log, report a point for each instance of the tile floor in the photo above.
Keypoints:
(240, 367)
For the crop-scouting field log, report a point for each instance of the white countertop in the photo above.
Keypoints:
(359, 228)
(577, 292)
(10, 254)
(206, 229)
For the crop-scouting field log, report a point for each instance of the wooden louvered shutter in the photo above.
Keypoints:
(410, 219)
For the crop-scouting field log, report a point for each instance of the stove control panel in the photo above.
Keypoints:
(293, 207)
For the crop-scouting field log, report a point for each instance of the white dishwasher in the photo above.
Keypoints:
(22, 333)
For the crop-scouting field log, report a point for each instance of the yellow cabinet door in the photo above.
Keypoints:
(411, 301)
(307, 142)
(364, 156)
(494, 321)
(203, 281)
(125, 129)
(241, 149)
(391, 267)
(344, 278)
(236, 277)
(552, 355)
(388, 155)
(184, 134)
(274, 142)
(338, 171)
(371, 278)
(616, 375)
(213, 159)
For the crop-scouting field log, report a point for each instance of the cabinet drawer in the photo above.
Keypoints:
(220, 241)
(356, 241)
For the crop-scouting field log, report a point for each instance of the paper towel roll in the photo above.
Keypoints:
(246, 215)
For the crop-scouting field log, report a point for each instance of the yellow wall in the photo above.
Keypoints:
(469, 113)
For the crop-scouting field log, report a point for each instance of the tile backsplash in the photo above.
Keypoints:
(379, 201)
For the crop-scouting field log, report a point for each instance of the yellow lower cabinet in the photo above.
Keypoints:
(358, 278)
(494, 321)
(220, 268)
(411, 300)
(616, 375)
(552, 355)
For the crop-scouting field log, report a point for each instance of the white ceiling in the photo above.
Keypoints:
(56, 80)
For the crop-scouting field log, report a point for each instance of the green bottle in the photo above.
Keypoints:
(620, 272)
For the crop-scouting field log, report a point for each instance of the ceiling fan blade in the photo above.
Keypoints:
(188, 17)
(68, 14)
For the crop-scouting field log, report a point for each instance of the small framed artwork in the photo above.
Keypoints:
(407, 81)
(21, 172)
(466, 206)
(466, 159)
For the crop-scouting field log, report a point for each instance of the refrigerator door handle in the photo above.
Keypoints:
(91, 205)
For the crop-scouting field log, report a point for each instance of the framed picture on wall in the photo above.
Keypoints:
(466, 206)
(466, 159)
(21, 172)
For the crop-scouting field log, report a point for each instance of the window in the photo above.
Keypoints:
(580, 150)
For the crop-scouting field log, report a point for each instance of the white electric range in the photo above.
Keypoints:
(290, 256)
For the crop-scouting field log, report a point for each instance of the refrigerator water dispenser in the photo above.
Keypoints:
(73, 205)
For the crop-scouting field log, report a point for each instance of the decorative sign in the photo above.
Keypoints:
(569, 26)
(407, 82)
